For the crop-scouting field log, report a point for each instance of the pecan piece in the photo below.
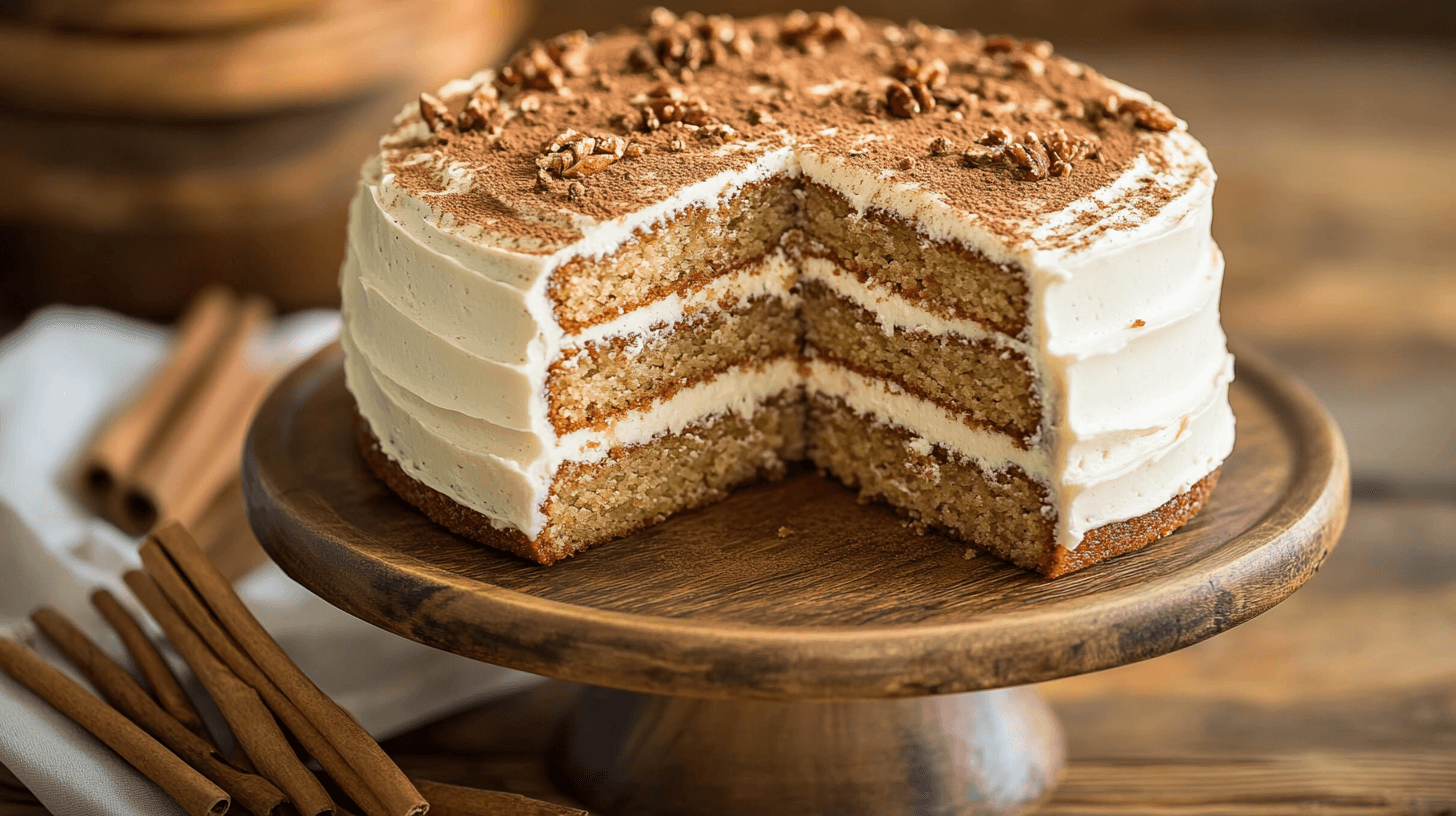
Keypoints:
(437, 117)
(479, 107)
(901, 100)
(589, 166)
(1030, 157)
(613, 145)
(980, 156)
(995, 137)
(1148, 116)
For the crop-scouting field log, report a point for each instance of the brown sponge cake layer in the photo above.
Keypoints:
(592, 384)
(938, 276)
(632, 487)
(1002, 512)
(685, 251)
(985, 382)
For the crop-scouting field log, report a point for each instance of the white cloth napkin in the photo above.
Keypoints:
(59, 376)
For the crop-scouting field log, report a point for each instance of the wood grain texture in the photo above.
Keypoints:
(852, 605)
(987, 753)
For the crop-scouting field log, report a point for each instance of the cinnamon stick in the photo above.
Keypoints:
(158, 675)
(114, 454)
(252, 723)
(120, 689)
(179, 596)
(383, 777)
(457, 800)
(191, 790)
(221, 469)
(185, 446)
(224, 534)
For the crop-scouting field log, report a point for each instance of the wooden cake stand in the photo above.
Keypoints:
(791, 651)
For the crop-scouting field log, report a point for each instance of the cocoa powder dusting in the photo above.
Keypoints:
(697, 96)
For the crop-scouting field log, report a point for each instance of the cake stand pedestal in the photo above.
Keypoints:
(791, 651)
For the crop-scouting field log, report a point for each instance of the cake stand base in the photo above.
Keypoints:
(977, 754)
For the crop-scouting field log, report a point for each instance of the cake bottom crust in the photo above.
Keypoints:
(1051, 560)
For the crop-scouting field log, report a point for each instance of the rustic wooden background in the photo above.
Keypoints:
(1335, 140)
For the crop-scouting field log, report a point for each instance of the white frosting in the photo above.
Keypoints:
(449, 332)
(506, 474)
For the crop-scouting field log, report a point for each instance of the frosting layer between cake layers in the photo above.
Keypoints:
(450, 333)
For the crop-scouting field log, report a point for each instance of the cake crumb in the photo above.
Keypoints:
(969, 554)
(1138, 324)
(785, 532)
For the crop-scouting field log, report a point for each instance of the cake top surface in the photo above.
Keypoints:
(580, 130)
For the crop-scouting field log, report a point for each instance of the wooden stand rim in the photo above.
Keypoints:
(1273, 519)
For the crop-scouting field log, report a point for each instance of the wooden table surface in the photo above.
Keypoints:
(1336, 201)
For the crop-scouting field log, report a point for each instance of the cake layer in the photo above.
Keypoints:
(1002, 511)
(632, 487)
(700, 242)
(984, 381)
(642, 484)
(754, 317)
(996, 509)
(939, 276)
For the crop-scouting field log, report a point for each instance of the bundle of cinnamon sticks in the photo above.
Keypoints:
(173, 450)
(262, 694)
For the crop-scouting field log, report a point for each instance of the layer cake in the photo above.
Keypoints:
(624, 274)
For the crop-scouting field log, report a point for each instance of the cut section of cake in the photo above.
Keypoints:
(623, 275)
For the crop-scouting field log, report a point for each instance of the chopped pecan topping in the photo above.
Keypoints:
(571, 155)
(1066, 149)
(995, 137)
(576, 191)
(589, 166)
(479, 108)
(545, 66)
(437, 117)
(569, 51)
(677, 145)
(1041, 49)
(941, 146)
(688, 43)
(1148, 116)
(719, 133)
(1030, 157)
(907, 100)
(907, 163)
(810, 33)
(633, 150)
(931, 73)
(1142, 114)
(980, 156)
(1000, 45)
(1033, 156)
(760, 117)
(668, 103)
(1029, 64)
(922, 95)
(613, 145)
(530, 103)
